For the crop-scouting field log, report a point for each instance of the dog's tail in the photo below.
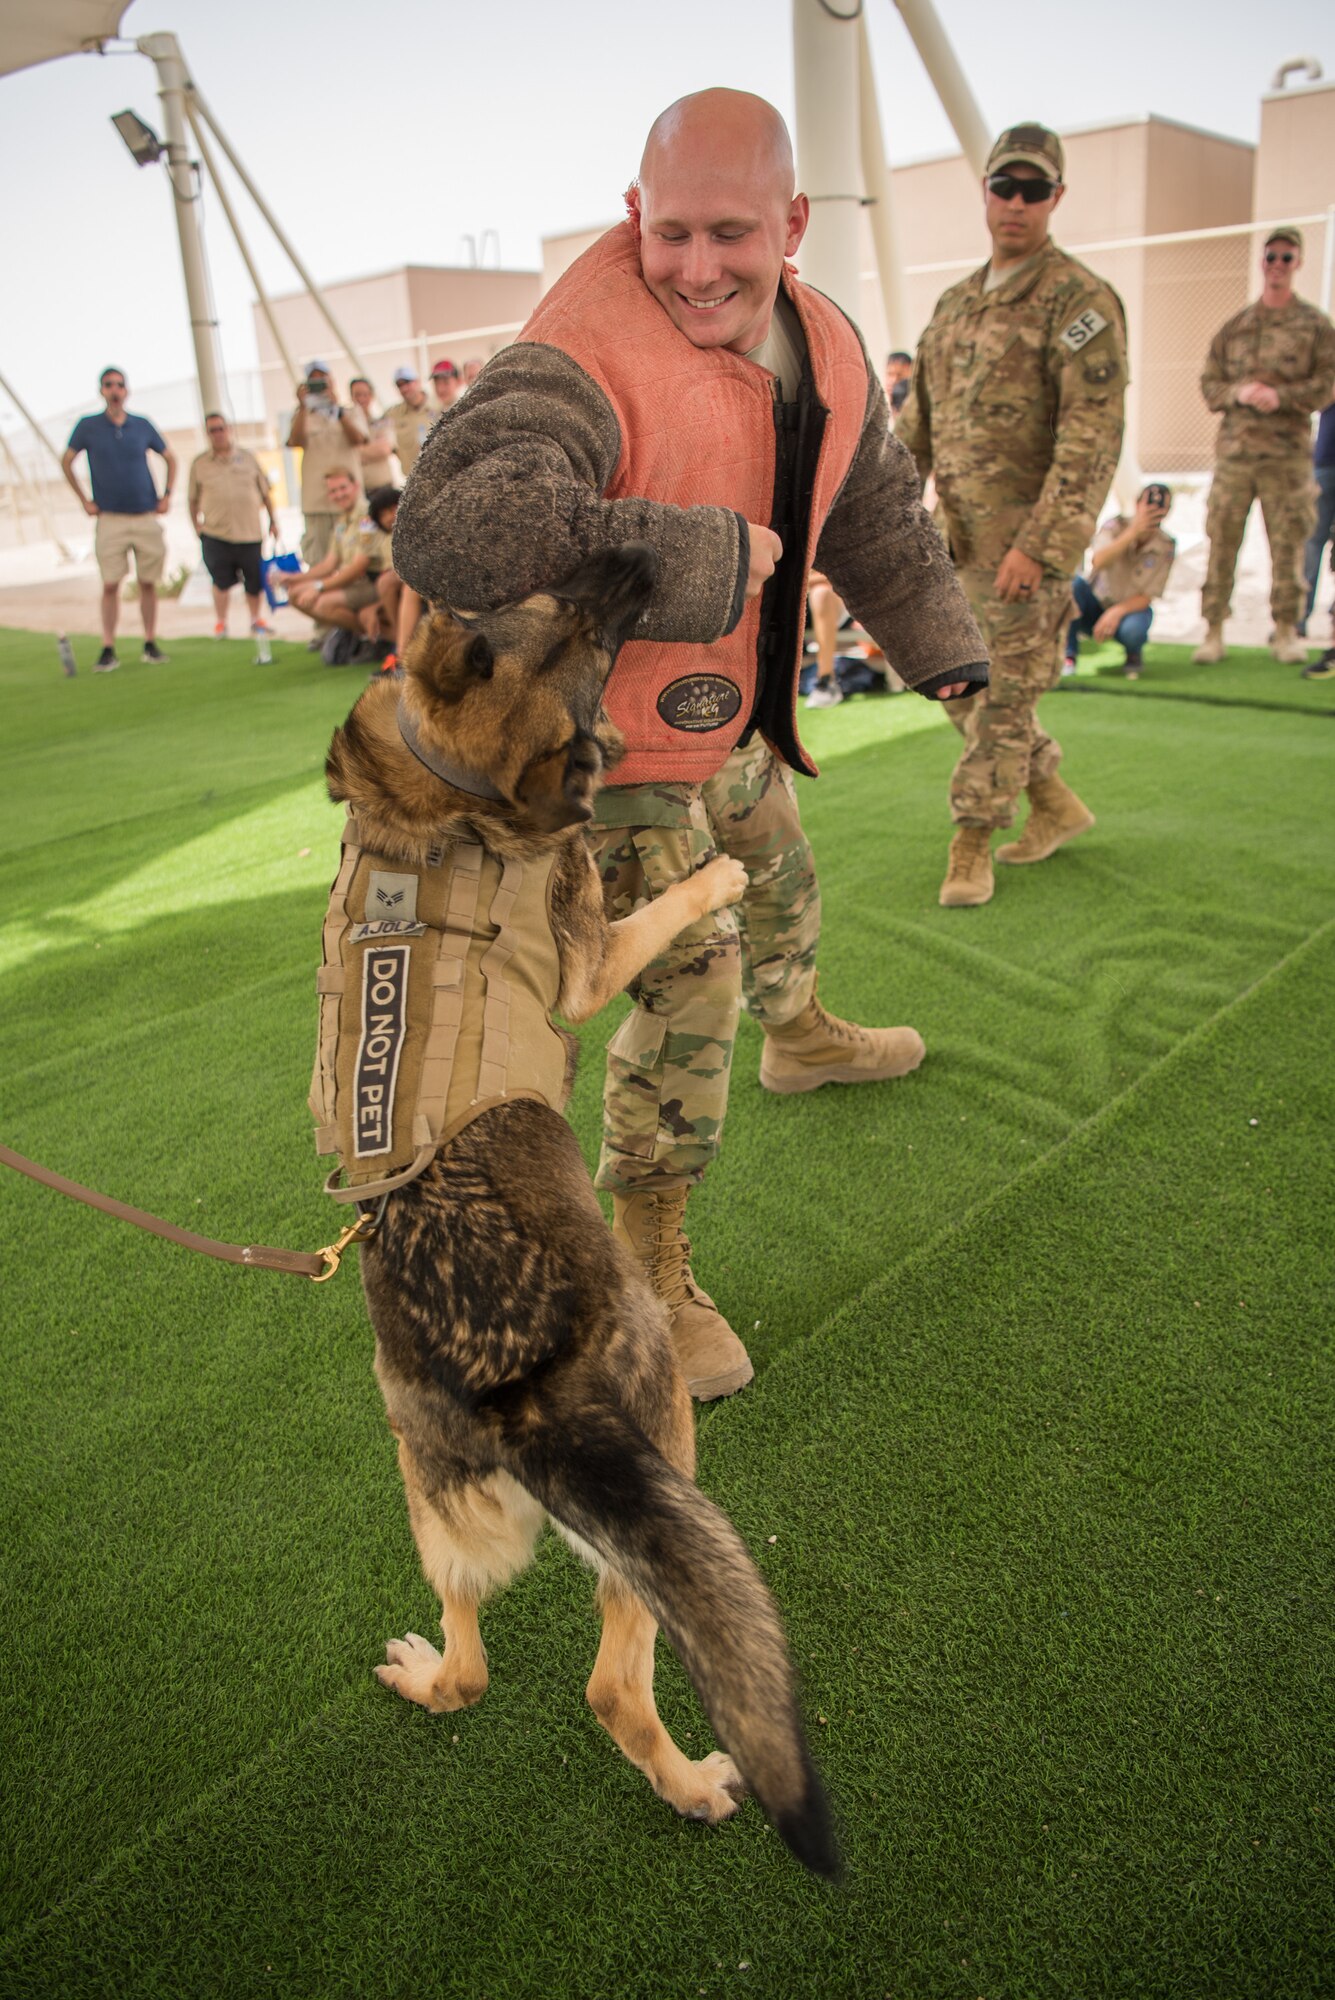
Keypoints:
(600, 1477)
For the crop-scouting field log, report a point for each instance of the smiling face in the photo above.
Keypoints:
(718, 216)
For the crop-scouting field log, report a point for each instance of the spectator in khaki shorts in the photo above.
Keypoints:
(126, 505)
(226, 490)
(343, 583)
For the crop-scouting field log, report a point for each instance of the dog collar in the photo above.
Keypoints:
(450, 774)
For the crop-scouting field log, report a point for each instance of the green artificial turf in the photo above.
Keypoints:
(1245, 678)
(1050, 1533)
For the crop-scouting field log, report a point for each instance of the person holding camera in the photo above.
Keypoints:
(329, 436)
(1129, 567)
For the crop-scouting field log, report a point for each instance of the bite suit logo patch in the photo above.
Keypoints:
(700, 702)
(384, 1023)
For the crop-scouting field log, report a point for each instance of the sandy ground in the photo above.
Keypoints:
(41, 592)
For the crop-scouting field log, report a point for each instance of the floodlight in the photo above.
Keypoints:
(143, 142)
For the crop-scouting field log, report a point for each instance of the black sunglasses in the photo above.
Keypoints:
(1280, 256)
(1006, 186)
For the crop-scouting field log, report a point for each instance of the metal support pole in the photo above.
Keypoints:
(880, 197)
(201, 106)
(211, 167)
(164, 51)
(948, 80)
(42, 438)
(825, 61)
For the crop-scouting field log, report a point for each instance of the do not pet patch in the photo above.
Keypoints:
(384, 1025)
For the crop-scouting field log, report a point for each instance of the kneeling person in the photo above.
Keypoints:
(343, 584)
(1129, 567)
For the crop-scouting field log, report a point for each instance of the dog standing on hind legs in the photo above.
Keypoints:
(526, 1364)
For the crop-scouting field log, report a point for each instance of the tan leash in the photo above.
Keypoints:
(317, 1265)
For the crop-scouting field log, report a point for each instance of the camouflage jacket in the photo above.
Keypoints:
(1292, 348)
(1016, 407)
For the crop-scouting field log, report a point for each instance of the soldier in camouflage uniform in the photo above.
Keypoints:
(1269, 368)
(1016, 408)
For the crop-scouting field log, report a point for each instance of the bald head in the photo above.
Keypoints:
(718, 215)
(727, 131)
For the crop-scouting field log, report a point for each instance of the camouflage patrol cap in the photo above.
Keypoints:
(1286, 233)
(1029, 146)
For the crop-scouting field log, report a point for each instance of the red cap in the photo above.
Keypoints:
(444, 368)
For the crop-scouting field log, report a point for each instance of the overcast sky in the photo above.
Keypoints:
(384, 135)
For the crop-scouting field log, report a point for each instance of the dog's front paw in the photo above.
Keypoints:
(720, 882)
(419, 1673)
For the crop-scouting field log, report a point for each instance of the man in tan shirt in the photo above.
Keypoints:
(1129, 567)
(329, 435)
(343, 582)
(227, 491)
(412, 417)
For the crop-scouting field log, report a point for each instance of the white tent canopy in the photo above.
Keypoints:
(37, 31)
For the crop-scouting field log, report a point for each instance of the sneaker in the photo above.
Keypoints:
(257, 625)
(825, 694)
(106, 661)
(154, 654)
(1133, 666)
(220, 630)
(1068, 667)
(1322, 669)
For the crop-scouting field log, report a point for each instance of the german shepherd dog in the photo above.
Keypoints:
(525, 1362)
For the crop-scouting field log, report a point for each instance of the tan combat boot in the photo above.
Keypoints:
(709, 1354)
(816, 1048)
(1056, 815)
(969, 877)
(1288, 648)
(1211, 649)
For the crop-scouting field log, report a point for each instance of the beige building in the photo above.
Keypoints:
(415, 315)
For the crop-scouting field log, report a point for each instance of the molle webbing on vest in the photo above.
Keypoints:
(433, 1014)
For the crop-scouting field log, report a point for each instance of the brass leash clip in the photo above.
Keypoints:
(356, 1232)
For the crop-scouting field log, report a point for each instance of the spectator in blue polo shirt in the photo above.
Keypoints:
(126, 506)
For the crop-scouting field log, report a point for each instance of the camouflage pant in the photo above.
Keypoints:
(1287, 493)
(1004, 746)
(668, 1063)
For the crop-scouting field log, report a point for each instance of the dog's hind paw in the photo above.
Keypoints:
(419, 1673)
(716, 1791)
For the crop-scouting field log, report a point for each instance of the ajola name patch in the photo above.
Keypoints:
(700, 702)
(384, 1023)
(1081, 331)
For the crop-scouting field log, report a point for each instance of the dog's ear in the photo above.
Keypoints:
(479, 660)
(448, 657)
(558, 790)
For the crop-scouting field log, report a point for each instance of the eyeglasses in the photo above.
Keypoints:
(1006, 186)
(1281, 256)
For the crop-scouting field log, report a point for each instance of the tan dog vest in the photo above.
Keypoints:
(436, 995)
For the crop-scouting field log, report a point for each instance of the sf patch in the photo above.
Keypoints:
(700, 702)
(1082, 330)
(384, 1025)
